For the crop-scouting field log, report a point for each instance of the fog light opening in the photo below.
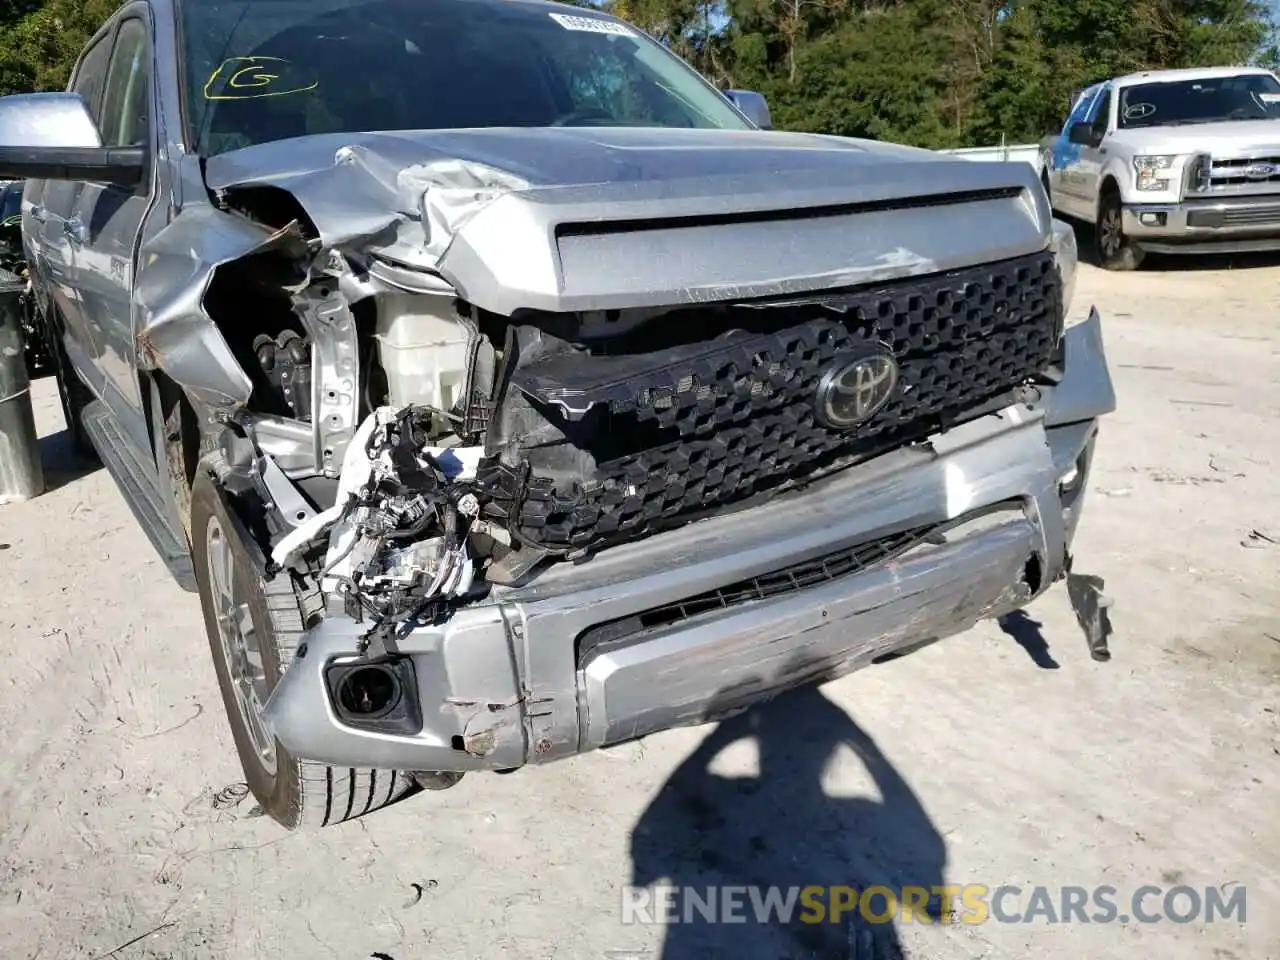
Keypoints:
(1153, 219)
(367, 693)
(1033, 575)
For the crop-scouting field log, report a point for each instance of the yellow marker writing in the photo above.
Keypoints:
(251, 77)
(247, 78)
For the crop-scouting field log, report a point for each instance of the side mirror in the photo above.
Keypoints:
(752, 105)
(1082, 134)
(52, 136)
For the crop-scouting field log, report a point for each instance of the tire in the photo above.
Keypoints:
(1113, 249)
(294, 793)
(73, 394)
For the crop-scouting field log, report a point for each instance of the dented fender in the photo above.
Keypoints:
(176, 335)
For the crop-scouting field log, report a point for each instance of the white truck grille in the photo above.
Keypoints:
(1257, 172)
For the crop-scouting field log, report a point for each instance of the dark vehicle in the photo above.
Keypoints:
(14, 260)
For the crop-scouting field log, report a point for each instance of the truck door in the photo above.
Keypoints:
(1064, 177)
(50, 209)
(1094, 158)
(106, 224)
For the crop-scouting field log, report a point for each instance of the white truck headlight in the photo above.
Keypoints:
(1067, 256)
(1153, 172)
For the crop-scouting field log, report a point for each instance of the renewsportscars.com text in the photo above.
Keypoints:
(968, 903)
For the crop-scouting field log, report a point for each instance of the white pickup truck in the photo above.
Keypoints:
(1167, 161)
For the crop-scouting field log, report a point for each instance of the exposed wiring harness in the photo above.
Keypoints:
(398, 551)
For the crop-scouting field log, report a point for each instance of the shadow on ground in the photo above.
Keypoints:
(1162, 263)
(1026, 631)
(60, 462)
(780, 829)
(1173, 263)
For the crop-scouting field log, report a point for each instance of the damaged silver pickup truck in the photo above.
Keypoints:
(507, 393)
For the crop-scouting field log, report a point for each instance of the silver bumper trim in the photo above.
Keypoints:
(759, 650)
(1208, 219)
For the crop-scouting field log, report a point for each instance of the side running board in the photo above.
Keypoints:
(136, 482)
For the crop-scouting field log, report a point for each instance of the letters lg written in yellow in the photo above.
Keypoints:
(246, 78)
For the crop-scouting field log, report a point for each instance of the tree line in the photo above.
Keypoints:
(945, 73)
(932, 73)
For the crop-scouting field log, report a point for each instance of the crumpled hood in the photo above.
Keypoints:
(598, 218)
(573, 156)
(575, 219)
(354, 187)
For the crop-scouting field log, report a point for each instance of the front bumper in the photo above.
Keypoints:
(1237, 224)
(516, 681)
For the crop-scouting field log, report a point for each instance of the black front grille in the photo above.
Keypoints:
(718, 421)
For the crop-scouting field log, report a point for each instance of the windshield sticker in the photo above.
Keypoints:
(1136, 111)
(248, 78)
(591, 24)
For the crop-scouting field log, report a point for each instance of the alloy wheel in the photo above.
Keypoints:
(1112, 235)
(241, 653)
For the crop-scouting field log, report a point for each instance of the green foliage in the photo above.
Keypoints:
(1051, 48)
(42, 41)
(935, 73)
(883, 76)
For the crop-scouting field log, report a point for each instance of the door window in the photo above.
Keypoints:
(1102, 114)
(1081, 109)
(92, 75)
(126, 107)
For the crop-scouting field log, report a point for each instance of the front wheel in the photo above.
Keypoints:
(1115, 251)
(254, 628)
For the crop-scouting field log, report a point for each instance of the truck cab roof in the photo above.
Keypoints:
(1192, 73)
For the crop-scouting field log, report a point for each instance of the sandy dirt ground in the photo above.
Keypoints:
(1004, 756)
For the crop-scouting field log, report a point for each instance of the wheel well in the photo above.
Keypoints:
(1109, 188)
(179, 426)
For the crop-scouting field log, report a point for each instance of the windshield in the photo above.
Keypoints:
(1251, 96)
(262, 70)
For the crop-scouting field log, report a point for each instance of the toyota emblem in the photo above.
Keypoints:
(855, 389)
